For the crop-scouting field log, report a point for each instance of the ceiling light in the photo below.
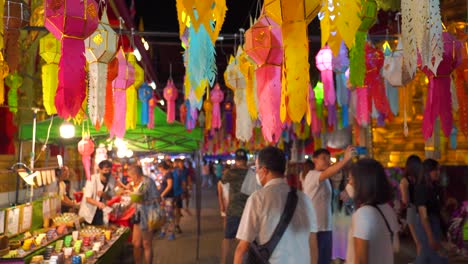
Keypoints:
(152, 84)
(161, 102)
(67, 130)
(129, 153)
(137, 54)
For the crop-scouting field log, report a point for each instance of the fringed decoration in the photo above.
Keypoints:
(411, 16)
(340, 65)
(330, 33)
(439, 101)
(86, 148)
(462, 96)
(192, 115)
(145, 93)
(323, 61)
(247, 67)
(312, 117)
(453, 138)
(217, 96)
(296, 54)
(132, 96)
(347, 20)
(97, 92)
(170, 94)
(112, 71)
(363, 106)
(183, 113)
(49, 50)
(152, 106)
(434, 36)
(4, 70)
(208, 108)
(244, 124)
(357, 64)
(14, 82)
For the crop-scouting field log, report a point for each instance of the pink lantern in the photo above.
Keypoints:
(71, 22)
(125, 78)
(86, 148)
(217, 96)
(263, 43)
(170, 94)
(439, 100)
(183, 113)
(324, 63)
(151, 106)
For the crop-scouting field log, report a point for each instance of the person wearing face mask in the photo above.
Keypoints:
(98, 189)
(264, 209)
(316, 185)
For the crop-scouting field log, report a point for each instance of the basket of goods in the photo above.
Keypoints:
(4, 248)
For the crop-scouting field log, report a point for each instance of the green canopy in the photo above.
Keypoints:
(163, 137)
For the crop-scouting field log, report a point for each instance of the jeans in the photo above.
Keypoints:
(325, 245)
(428, 255)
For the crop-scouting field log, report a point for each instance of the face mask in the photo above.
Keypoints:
(107, 175)
(258, 179)
(350, 190)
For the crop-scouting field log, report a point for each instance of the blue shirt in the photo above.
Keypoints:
(179, 176)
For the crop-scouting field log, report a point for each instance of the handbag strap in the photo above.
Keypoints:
(386, 222)
(284, 221)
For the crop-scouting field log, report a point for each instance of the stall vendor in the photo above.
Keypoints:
(98, 189)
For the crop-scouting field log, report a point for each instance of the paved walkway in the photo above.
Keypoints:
(183, 249)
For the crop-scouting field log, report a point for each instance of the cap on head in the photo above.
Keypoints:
(241, 154)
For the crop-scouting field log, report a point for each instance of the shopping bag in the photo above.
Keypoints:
(156, 217)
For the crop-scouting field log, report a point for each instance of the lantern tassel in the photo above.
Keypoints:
(363, 107)
(49, 87)
(462, 96)
(112, 71)
(118, 125)
(151, 114)
(144, 112)
(358, 60)
(97, 92)
(71, 89)
(131, 115)
(86, 160)
(14, 82)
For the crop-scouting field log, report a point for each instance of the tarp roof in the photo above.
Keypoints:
(163, 137)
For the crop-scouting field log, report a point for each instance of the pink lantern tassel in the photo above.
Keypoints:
(71, 90)
(118, 126)
(362, 106)
(86, 160)
(216, 97)
(328, 87)
(269, 92)
(151, 105)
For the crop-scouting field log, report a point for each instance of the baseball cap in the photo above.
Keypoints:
(241, 154)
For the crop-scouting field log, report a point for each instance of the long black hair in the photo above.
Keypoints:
(429, 165)
(413, 169)
(371, 185)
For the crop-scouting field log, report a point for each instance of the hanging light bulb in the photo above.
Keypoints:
(67, 130)
(161, 102)
(137, 54)
(153, 85)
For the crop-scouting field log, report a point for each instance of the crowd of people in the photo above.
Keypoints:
(353, 222)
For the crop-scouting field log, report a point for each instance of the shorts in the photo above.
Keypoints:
(169, 208)
(178, 201)
(411, 214)
(232, 224)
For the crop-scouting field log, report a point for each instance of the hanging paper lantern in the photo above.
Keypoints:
(86, 148)
(324, 62)
(208, 108)
(145, 93)
(247, 68)
(312, 117)
(4, 70)
(170, 94)
(14, 82)
(101, 46)
(263, 43)
(36, 20)
(228, 109)
(183, 113)
(112, 72)
(132, 92)
(152, 105)
(340, 65)
(16, 16)
(49, 50)
(357, 55)
(2, 14)
(72, 22)
(217, 96)
(439, 101)
(124, 79)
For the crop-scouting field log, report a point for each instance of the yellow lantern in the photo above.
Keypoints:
(4, 70)
(132, 96)
(49, 50)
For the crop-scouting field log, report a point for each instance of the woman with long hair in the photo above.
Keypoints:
(374, 228)
(427, 198)
(413, 169)
(167, 199)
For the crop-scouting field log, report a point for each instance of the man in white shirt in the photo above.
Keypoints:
(318, 188)
(263, 211)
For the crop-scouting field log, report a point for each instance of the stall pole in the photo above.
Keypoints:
(198, 156)
(33, 150)
(20, 158)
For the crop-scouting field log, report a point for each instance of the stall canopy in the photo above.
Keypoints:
(163, 137)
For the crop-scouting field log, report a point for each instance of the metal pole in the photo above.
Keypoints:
(20, 158)
(198, 200)
(33, 150)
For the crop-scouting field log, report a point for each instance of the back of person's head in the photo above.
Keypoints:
(429, 165)
(105, 164)
(135, 169)
(163, 165)
(273, 159)
(413, 168)
(371, 185)
(309, 165)
(320, 151)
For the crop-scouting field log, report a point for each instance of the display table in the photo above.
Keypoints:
(113, 252)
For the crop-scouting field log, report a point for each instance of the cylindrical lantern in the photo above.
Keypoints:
(112, 71)
(86, 148)
(208, 108)
(16, 15)
(101, 46)
(145, 93)
(170, 94)
(49, 50)
(217, 96)
(324, 62)
(72, 22)
(132, 96)
(151, 105)
(124, 79)
(4, 70)
(14, 82)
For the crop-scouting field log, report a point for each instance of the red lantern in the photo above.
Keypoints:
(170, 94)
(16, 16)
(72, 22)
(217, 96)
(86, 148)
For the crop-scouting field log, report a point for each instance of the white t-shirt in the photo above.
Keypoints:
(368, 224)
(321, 195)
(262, 213)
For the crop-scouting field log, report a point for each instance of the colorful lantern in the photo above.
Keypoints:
(16, 15)
(439, 101)
(124, 79)
(208, 108)
(340, 65)
(170, 94)
(14, 82)
(86, 148)
(49, 50)
(152, 105)
(2, 14)
(247, 68)
(145, 93)
(217, 96)
(324, 63)
(263, 43)
(183, 113)
(101, 46)
(4, 70)
(311, 115)
(132, 92)
(112, 72)
(36, 20)
(71, 21)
